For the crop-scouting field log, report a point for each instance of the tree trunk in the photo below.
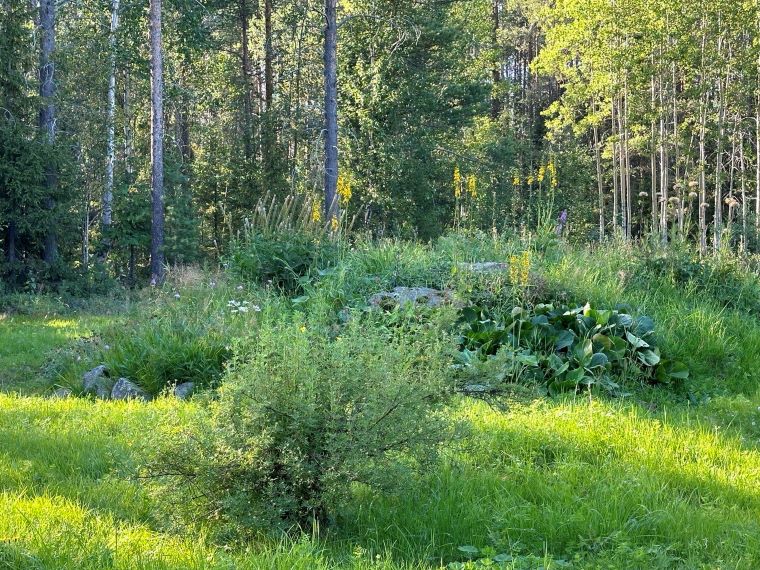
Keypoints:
(107, 202)
(496, 72)
(702, 181)
(653, 156)
(243, 15)
(757, 156)
(268, 56)
(331, 109)
(157, 145)
(599, 181)
(47, 119)
(615, 182)
(11, 239)
(664, 170)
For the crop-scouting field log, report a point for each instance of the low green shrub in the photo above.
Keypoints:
(281, 260)
(301, 418)
(564, 348)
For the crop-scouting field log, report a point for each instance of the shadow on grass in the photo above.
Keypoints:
(606, 483)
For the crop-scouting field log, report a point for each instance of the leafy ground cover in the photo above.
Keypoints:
(665, 477)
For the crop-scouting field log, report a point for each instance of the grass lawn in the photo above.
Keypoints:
(26, 343)
(589, 484)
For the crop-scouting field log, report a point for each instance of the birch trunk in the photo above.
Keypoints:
(107, 202)
(157, 145)
(331, 109)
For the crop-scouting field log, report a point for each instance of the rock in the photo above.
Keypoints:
(484, 266)
(184, 391)
(414, 295)
(61, 394)
(96, 382)
(126, 390)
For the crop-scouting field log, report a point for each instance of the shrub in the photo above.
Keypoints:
(281, 260)
(301, 418)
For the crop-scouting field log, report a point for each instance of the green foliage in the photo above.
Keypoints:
(280, 261)
(164, 352)
(724, 279)
(565, 348)
(302, 418)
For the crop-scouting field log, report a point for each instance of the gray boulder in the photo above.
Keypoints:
(126, 390)
(484, 266)
(185, 390)
(61, 394)
(96, 383)
(423, 296)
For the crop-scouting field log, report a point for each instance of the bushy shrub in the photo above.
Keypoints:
(301, 418)
(282, 259)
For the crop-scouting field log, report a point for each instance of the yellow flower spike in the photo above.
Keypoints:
(552, 170)
(541, 173)
(316, 213)
(516, 181)
(472, 186)
(529, 180)
(457, 183)
(525, 268)
(334, 223)
(514, 270)
(344, 190)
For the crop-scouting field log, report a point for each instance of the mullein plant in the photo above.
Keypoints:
(519, 275)
(465, 196)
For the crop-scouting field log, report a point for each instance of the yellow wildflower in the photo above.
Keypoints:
(529, 180)
(516, 180)
(316, 212)
(334, 223)
(344, 190)
(541, 173)
(457, 183)
(552, 169)
(472, 186)
(519, 269)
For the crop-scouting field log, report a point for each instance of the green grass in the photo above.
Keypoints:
(663, 479)
(26, 343)
(603, 484)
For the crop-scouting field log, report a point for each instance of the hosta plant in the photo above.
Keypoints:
(562, 348)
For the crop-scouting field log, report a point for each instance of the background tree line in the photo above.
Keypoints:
(411, 115)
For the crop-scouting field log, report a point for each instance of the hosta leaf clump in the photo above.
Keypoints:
(564, 348)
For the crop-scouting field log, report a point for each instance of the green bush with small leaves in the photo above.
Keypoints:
(301, 418)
